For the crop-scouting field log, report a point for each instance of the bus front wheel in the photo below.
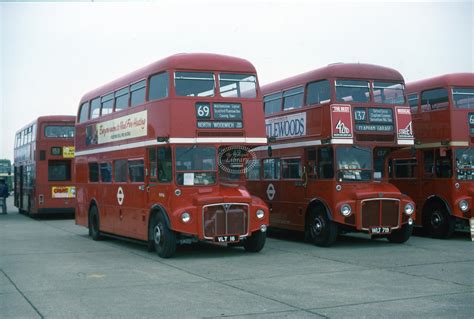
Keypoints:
(94, 224)
(255, 242)
(321, 230)
(164, 239)
(399, 236)
(437, 222)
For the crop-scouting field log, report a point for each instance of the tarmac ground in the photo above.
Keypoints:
(50, 268)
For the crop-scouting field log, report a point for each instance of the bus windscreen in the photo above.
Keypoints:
(463, 98)
(352, 91)
(194, 84)
(238, 85)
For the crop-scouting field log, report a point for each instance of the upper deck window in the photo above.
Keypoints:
(158, 86)
(463, 98)
(318, 92)
(389, 92)
(95, 108)
(194, 83)
(59, 131)
(293, 98)
(84, 112)
(272, 103)
(107, 104)
(434, 99)
(238, 85)
(121, 99)
(137, 93)
(352, 91)
(413, 102)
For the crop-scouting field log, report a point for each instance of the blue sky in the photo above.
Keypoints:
(52, 53)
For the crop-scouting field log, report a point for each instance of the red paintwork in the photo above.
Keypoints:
(173, 117)
(29, 201)
(292, 201)
(446, 129)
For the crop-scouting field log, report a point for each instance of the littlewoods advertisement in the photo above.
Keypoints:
(129, 126)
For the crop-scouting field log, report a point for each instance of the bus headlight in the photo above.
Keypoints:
(346, 210)
(409, 209)
(463, 205)
(185, 217)
(260, 214)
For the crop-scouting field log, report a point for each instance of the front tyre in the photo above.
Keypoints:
(321, 230)
(437, 222)
(255, 242)
(94, 224)
(164, 239)
(399, 236)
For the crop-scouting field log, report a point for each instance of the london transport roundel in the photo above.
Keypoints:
(120, 195)
(271, 191)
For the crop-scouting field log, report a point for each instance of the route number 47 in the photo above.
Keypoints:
(203, 111)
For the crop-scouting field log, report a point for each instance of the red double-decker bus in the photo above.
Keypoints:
(438, 173)
(160, 152)
(43, 166)
(330, 132)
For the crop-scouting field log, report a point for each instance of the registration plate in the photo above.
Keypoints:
(226, 239)
(380, 230)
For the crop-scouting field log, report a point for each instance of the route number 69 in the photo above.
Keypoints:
(203, 111)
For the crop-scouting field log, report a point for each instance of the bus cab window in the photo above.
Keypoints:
(312, 168)
(164, 164)
(326, 163)
(428, 163)
(153, 164)
(444, 167)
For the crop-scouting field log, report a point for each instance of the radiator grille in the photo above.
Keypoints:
(383, 212)
(225, 219)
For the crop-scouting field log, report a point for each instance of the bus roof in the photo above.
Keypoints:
(336, 70)
(453, 79)
(183, 61)
(50, 118)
